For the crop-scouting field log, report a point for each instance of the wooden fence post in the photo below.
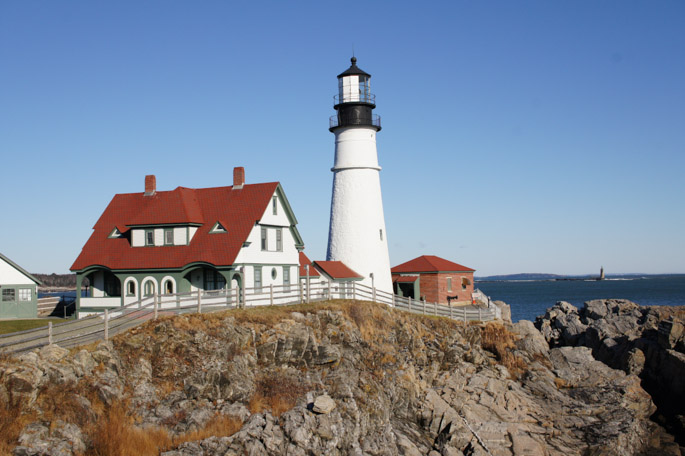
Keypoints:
(436, 308)
(329, 290)
(463, 309)
(49, 333)
(271, 294)
(450, 310)
(301, 292)
(373, 298)
(409, 303)
(424, 306)
(354, 291)
(244, 293)
(106, 324)
(199, 301)
(154, 304)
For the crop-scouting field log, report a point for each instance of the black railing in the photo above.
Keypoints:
(374, 121)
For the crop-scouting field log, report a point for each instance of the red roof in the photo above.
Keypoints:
(238, 210)
(304, 260)
(429, 263)
(337, 270)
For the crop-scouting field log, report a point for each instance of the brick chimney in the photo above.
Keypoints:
(238, 177)
(150, 185)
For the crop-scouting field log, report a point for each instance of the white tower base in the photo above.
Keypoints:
(357, 235)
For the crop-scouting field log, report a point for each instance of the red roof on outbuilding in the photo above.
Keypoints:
(337, 270)
(429, 263)
(238, 210)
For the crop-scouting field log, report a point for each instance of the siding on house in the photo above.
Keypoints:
(18, 291)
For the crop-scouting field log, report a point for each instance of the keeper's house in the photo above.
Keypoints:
(18, 291)
(186, 240)
(434, 279)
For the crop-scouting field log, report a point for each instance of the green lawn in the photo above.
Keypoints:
(10, 326)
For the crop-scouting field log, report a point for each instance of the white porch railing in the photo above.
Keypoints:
(101, 325)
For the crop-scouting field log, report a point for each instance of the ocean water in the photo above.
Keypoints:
(528, 299)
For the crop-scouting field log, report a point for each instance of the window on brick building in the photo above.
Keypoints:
(449, 284)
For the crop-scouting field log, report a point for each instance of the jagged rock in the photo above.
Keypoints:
(323, 404)
(634, 362)
(353, 381)
(637, 340)
(60, 439)
(531, 340)
(672, 334)
(83, 363)
(52, 353)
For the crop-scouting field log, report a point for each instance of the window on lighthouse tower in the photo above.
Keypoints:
(363, 88)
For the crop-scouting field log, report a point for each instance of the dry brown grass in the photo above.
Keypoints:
(115, 434)
(498, 340)
(277, 392)
(13, 418)
(219, 426)
(61, 402)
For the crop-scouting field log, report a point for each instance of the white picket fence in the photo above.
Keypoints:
(102, 325)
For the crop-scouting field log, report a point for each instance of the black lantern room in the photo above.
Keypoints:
(354, 101)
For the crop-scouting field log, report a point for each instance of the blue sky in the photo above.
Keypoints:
(517, 136)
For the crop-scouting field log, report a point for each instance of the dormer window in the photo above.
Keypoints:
(168, 236)
(149, 237)
(218, 228)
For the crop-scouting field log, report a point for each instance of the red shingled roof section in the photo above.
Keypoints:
(429, 263)
(241, 209)
(177, 206)
(337, 270)
(304, 259)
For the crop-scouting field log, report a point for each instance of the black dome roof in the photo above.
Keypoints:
(354, 69)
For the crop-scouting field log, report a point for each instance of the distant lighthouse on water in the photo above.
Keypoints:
(357, 235)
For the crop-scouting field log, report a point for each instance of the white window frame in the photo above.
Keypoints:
(25, 294)
(279, 239)
(9, 295)
(149, 238)
(265, 239)
(286, 278)
(168, 236)
(258, 278)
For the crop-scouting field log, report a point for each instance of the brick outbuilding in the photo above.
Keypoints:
(434, 279)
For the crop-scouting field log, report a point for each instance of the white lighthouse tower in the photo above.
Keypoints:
(357, 234)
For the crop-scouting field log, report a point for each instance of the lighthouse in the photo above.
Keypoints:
(357, 235)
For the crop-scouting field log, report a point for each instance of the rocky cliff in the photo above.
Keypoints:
(332, 378)
(645, 341)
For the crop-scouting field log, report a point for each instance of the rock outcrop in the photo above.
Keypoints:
(332, 378)
(645, 341)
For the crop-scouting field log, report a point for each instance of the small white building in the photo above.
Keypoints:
(18, 291)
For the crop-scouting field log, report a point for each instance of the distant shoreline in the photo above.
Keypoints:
(534, 277)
